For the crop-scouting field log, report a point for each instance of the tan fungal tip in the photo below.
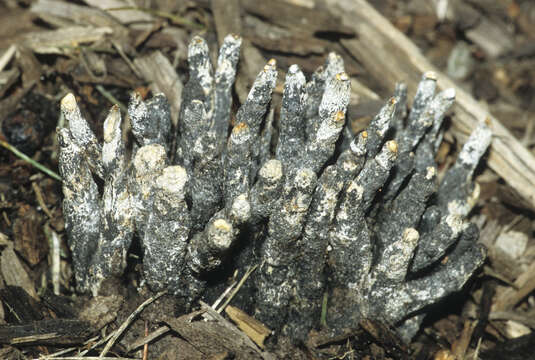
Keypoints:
(272, 170)
(487, 121)
(293, 69)
(241, 127)
(173, 179)
(136, 95)
(110, 123)
(364, 134)
(149, 159)
(393, 101)
(411, 235)
(222, 225)
(68, 103)
(449, 93)
(431, 172)
(392, 146)
(333, 56)
(272, 62)
(430, 75)
(340, 117)
(342, 76)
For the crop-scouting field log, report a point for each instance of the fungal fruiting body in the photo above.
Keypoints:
(362, 219)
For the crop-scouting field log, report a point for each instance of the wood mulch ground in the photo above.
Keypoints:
(102, 50)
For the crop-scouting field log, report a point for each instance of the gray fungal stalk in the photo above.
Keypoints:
(366, 225)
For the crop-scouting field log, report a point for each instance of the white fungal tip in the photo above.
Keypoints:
(271, 171)
(241, 209)
(293, 69)
(173, 179)
(150, 158)
(449, 93)
(111, 124)
(411, 236)
(392, 146)
(68, 103)
(431, 172)
(222, 225)
(305, 178)
(342, 76)
(430, 75)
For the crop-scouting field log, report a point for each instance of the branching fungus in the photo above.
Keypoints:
(367, 223)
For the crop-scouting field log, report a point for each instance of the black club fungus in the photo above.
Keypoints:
(371, 229)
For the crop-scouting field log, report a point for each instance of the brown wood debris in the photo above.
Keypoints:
(249, 325)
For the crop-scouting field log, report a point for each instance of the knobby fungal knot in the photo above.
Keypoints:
(360, 218)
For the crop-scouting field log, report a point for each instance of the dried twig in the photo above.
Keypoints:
(237, 288)
(127, 323)
(7, 56)
(40, 199)
(147, 339)
(175, 19)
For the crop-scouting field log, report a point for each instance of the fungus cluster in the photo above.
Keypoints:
(360, 218)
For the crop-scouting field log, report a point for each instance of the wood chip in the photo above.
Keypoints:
(510, 297)
(64, 40)
(212, 338)
(101, 310)
(298, 18)
(8, 78)
(6, 56)
(14, 273)
(513, 243)
(40, 199)
(4, 240)
(77, 14)
(21, 307)
(460, 346)
(54, 331)
(253, 328)
(302, 46)
(492, 37)
(31, 67)
(124, 16)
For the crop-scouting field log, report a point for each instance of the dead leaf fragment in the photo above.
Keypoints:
(28, 236)
(14, 273)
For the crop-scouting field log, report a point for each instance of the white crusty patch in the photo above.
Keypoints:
(149, 159)
(173, 179)
(477, 144)
(271, 171)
